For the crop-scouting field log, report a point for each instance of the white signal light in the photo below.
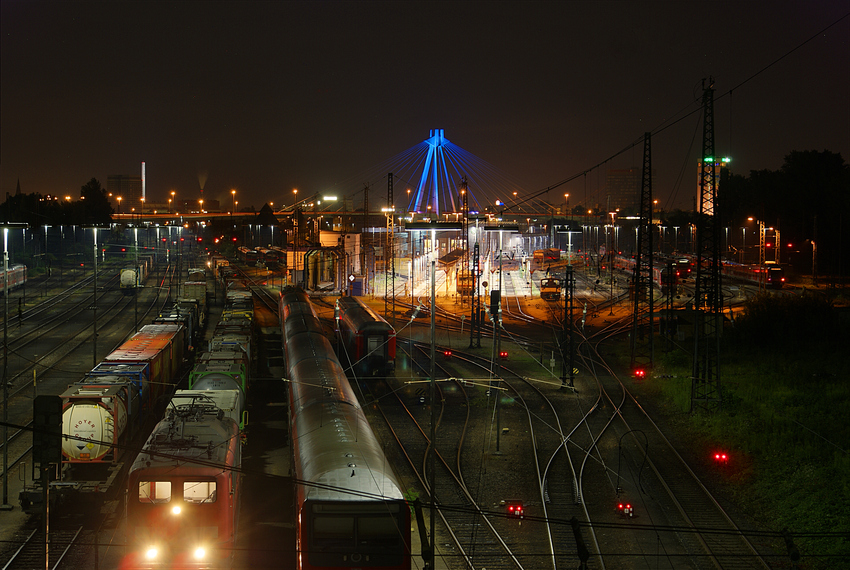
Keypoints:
(151, 553)
(200, 552)
(176, 510)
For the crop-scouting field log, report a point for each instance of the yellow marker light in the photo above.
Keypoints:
(175, 510)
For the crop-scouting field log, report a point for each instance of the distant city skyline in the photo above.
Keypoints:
(265, 98)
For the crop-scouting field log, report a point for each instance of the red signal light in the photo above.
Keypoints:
(234, 239)
(721, 457)
(123, 249)
(515, 509)
(640, 373)
(626, 510)
(447, 353)
(503, 354)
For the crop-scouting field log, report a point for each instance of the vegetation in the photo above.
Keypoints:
(37, 210)
(784, 374)
(807, 198)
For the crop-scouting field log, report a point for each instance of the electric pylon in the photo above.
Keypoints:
(708, 302)
(644, 305)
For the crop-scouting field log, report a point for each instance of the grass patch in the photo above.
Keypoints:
(784, 419)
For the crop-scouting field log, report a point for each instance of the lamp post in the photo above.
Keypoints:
(5, 506)
(171, 203)
(119, 205)
(566, 204)
(233, 207)
(294, 197)
(744, 243)
(814, 263)
(611, 260)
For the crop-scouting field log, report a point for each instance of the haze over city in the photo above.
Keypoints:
(268, 97)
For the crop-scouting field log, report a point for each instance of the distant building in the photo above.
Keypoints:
(623, 190)
(719, 164)
(128, 187)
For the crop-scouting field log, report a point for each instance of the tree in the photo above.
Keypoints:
(808, 198)
(94, 203)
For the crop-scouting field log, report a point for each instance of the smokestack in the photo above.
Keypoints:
(143, 181)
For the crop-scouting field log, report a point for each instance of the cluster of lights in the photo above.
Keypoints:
(721, 457)
(152, 552)
(515, 509)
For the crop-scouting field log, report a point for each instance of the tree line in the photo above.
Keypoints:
(91, 208)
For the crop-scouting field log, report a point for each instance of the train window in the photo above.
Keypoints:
(333, 531)
(374, 343)
(154, 491)
(378, 530)
(199, 491)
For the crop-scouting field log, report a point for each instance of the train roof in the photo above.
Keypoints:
(335, 449)
(341, 458)
(230, 402)
(358, 315)
(196, 432)
(147, 343)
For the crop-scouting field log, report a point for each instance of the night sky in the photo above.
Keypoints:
(265, 97)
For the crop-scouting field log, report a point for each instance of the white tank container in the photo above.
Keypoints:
(97, 415)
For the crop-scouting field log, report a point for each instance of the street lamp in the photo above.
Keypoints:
(294, 196)
(201, 203)
(119, 205)
(567, 204)
(171, 202)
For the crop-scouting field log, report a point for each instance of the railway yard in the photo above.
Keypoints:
(512, 467)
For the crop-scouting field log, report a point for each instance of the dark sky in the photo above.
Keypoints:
(265, 97)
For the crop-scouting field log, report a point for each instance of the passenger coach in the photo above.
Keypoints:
(368, 340)
(350, 511)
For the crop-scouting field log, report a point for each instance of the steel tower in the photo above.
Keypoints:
(644, 306)
(708, 302)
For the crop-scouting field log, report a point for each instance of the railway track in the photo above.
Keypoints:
(601, 447)
(470, 535)
(31, 553)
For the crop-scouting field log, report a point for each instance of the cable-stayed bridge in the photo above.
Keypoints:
(433, 171)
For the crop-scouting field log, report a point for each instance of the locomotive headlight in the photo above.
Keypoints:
(200, 553)
(151, 552)
(175, 510)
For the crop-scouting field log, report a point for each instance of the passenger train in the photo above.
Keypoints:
(350, 511)
(367, 341)
(770, 275)
(665, 275)
(248, 255)
(17, 277)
